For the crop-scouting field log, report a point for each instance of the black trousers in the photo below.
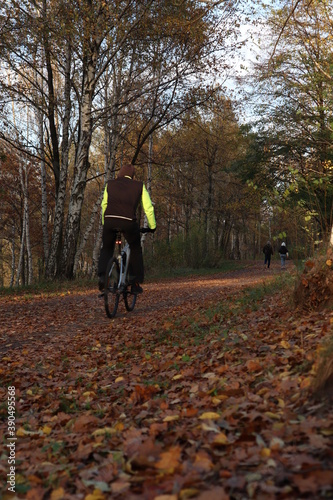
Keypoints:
(131, 231)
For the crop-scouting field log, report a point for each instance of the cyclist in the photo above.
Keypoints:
(268, 251)
(120, 201)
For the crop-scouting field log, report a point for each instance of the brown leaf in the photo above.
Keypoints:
(169, 460)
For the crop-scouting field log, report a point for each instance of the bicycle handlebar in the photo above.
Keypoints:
(146, 230)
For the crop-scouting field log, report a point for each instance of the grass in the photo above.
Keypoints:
(249, 300)
(49, 287)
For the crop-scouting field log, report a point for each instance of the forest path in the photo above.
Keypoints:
(27, 320)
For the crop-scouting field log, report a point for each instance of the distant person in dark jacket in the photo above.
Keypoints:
(268, 251)
(120, 201)
(283, 251)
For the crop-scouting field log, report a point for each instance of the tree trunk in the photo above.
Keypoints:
(21, 256)
(27, 229)
(53, 256)
(43, 189)
(111, 142)
(12, 277)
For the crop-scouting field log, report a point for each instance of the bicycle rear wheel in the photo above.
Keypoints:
(111, 293)
(129, 299)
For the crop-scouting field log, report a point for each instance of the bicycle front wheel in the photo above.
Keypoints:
(129, 299)
(111, 293)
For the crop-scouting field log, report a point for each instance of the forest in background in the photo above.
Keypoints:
(86, 85)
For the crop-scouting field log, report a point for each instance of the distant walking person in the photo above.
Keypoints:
(268, 251)
(283, 251)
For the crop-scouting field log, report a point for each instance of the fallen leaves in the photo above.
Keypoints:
(163, 403)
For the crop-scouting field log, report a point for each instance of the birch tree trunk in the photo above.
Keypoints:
(81, 169)
(27, 228)
(12, 278)
(58, 222)
(25, 241)
(21, 256)
(111, 142)
(43, 188)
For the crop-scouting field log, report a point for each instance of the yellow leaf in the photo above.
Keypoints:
(46, 430)
(119, 379)
(218, 400)
(265, 452)
(188, 493)
(170, 418)
(306, 382)
(285, 344)
(326, 432)
(281, 403)
(221, 439)
(177, 377)
(105, 430)
(57, 494)
(273, 416)
(209, 415)
(22, 432)
(95, 495)
(329, 262)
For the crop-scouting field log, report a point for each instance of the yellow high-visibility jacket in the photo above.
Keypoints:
(121, 198)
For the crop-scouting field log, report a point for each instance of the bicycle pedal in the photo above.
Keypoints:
(100, 295)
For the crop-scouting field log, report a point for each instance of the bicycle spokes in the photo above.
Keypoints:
(111, 294)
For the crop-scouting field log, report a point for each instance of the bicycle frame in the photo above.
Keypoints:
(116, 279)
(123, 261)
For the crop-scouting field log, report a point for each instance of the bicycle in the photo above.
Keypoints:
(116, 278)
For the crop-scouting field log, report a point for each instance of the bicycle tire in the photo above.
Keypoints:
(111, 293)
(130, 300)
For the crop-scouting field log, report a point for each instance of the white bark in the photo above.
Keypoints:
(43, 188)
(13, 259)
(25, 240)
(21, 256)
(111, 142)
(51, 266)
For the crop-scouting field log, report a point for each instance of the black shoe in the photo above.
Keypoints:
(101, 281)
(136, 288)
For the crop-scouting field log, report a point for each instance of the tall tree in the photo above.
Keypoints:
(59, 53)
(296, 82)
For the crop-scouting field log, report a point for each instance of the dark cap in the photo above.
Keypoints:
(127, 170)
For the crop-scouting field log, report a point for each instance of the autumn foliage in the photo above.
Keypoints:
(204, 391)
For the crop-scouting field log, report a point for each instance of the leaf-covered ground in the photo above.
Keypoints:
(201, 392)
